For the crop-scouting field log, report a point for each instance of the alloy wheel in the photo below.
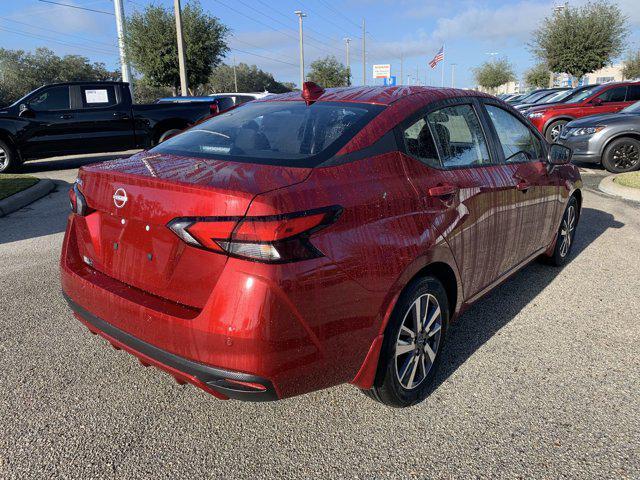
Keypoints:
(626, 156)
(566, 230)
(4, 159)
(418, 341)
(555, 132)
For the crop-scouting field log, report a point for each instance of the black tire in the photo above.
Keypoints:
(561, 251)
(622, 155)
(553, 130)
(9, 161)
(169, 133)
(411, 367)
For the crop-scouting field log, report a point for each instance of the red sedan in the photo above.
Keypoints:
(306, 240)
(608, 98)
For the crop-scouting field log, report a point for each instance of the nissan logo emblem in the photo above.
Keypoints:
(120, 198)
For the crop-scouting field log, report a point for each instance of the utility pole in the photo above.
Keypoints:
(124, 65)
(184, 84)
(300, 14)
(347, 41)
(453, 75)
(364, 55)
(235, 75)
(401, 68)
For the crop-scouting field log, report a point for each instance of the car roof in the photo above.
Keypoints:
(378, 95)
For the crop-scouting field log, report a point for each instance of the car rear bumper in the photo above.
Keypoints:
(259, 322)
(217, 381)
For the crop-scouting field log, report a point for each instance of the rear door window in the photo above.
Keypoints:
(287, 133)
(616, 94)
(633, 93)
(98, 96)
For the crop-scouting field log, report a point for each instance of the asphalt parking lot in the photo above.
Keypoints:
(541, 379)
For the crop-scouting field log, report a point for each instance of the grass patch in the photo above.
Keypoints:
(631, 179)
(10, 184)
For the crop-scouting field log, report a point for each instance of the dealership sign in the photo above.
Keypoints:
(382, 71)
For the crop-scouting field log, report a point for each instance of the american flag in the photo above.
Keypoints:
(438, 58)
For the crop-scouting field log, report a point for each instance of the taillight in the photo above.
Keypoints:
(271, 239)
(77, 202)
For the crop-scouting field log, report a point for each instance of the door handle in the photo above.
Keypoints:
(66, 116)
(442, 191)
(124, 116)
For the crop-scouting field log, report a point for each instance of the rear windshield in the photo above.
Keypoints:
(279, 133)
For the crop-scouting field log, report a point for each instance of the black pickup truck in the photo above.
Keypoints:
(87, 117)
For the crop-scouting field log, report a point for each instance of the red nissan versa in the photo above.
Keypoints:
(608, 98)
(306, 240)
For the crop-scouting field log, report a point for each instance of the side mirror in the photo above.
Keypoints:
(596, 102)
(25, 111)
(559, 154)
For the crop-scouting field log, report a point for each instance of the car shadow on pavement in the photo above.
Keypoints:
(45, 216)
(68, 163)
(486, 317)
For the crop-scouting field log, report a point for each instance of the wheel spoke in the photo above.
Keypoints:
(413, 372)
(434, 316)
(435, 330)
(430, 352)
(416, 316)
(404, 348)
(408, 331)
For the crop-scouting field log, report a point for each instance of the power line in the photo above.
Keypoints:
(244, 15)
(58, 32)
(77, 7)
(340, 13)
(43, 37)
(263, 56)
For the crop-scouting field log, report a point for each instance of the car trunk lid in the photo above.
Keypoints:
(131, 201)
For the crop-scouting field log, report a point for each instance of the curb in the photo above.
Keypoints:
(25, 197)
(607, 185)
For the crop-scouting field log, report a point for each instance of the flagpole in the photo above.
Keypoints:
(442, 67)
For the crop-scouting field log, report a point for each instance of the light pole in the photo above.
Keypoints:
(301, 14)
(184, 84)
(347, 41)
(453, 75)
(124, 65)
(364, 55)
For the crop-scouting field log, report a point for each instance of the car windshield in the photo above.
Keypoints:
(558, 96)
(280, 133)
(633, 108)
(537, 97)
(580, 95)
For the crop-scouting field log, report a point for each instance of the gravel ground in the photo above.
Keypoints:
(540, 379)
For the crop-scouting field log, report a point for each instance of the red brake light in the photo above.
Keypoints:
(272, 239)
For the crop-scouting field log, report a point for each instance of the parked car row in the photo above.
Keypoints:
(314, 238)
(604, 136)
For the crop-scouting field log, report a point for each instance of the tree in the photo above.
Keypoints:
(579, 40)
(631, 66)
(537, 76)
(329, 72)
(151, 44)
(23, 71)
(250, 79)
(493, 74)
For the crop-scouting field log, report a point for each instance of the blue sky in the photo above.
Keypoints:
(264, 32)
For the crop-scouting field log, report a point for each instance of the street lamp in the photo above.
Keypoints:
(301, 14)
